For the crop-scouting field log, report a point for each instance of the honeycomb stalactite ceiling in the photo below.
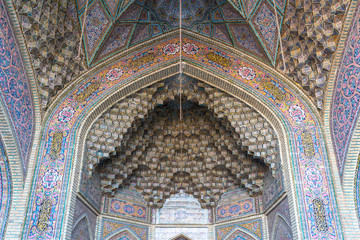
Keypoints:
(221, 144)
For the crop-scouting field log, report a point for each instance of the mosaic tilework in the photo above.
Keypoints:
(90, 188)
(15, 88)
(117, 40)
(97, 23)
(128, 209)
(273, 188)
(253, 226)
(5, 188)
(193, 11)
(279, 222)
(357, 189)
(240, 235)
(245, 39)
(81, 231)
(345, 105)
(264, 22)
(295, 113)
(240, 208)
(84, 221)
(249, 6)
(146, 19)
(110, 227)
(124, 235)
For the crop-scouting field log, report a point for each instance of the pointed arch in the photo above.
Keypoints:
(291, 113)
(81, 229)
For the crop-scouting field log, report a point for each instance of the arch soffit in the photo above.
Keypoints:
(238, 89)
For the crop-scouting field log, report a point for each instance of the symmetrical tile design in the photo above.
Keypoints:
(264, 22)
(121, 134)
(309, 162)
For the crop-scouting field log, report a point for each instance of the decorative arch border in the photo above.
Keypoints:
(20, 187)
(306, 171)
(345, 185)
(241, 229)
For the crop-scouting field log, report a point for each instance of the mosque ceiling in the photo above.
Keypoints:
(221, 144)
(309, 32)
(112, 26)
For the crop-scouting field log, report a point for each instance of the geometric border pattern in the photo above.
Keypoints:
(253, 226)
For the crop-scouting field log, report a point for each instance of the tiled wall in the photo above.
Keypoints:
(279, 222)
(84, 222)
(15, 91)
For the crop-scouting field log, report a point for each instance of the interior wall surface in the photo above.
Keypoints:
(313, 204)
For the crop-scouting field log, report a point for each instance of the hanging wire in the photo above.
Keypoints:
(82, 31)
(180, 85)
(279, 35)
(180, 65)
